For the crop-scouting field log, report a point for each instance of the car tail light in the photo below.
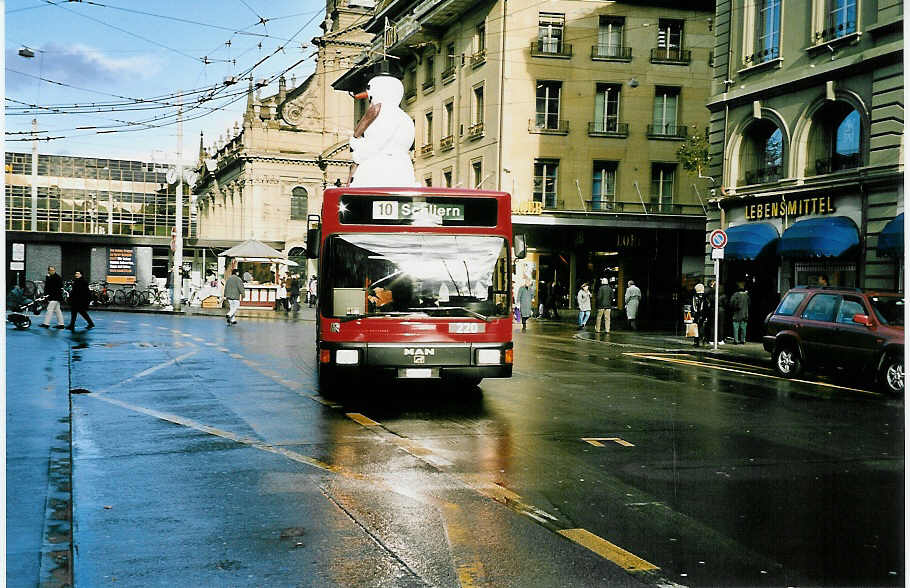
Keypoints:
(325, 356)
(509, 355)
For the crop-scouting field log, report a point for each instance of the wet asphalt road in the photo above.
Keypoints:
(203, 456)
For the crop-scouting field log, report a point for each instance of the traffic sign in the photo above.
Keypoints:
(718, 239)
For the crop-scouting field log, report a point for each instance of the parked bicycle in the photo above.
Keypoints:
(130, 296)
(155, 295)
(99, 295)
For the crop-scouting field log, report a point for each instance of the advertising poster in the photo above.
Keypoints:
(121, 265)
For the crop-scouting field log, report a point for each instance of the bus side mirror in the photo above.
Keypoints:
(521, 247)
(313, 237)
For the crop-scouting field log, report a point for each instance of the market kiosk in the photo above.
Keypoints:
(262, 267)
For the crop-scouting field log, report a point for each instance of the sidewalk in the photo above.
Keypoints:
(304, 314)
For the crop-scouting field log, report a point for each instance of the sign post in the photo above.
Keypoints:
(718, 241)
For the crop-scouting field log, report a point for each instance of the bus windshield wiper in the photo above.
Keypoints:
(353, 317)
(470, 312)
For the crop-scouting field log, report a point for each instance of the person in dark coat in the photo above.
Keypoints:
(79, 298)
(294, 293)
(700, 310)
(53, 288)
(604, 306)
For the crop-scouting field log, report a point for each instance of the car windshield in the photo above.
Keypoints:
(889, 309)
(389, 274)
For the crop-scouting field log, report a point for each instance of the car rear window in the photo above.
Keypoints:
(889, 309)
(790, 302)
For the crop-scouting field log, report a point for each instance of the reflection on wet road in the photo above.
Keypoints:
(596, 464)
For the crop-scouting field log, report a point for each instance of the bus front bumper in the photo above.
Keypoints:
(418, 361)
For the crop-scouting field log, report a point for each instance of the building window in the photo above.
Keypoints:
(545, 182)
(429, 63)
(841, 19)
(477, 174)
(548, 93)
(477, 106)
(550, 31)
(662, 175)
(768, 47)
(428, 181)
(447, 178)
(835, 139)
(410, 83)
(606, 108)
(669, 39)
(298, 203)
(666, 103)
(448, 110)
(480, 45)
(449, 72)
(603, 188)
(610, 38)
(428, 128)
(761, 155)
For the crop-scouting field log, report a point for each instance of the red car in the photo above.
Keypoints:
(842, 328)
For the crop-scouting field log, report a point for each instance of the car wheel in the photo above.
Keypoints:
(892, 377)
(787, 362)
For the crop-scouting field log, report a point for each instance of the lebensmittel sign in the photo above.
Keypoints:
(121, 265)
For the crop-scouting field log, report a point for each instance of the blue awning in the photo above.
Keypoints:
(891, 239)
(749, 241)
(827, 236)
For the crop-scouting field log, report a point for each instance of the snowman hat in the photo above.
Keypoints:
(385, 89)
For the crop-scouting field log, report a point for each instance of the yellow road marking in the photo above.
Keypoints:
(596, 441)
(748, 373)
(359, 418)
(605, 549)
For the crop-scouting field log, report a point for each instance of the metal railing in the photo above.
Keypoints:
(548, 128)
(427, 149)
(671, 55)
(447, 143)
(764, 175)
(541, 48)
(475, 131)
(668, 131)
(759, 57)
(836, 31)
(448, 74)
(410, 93)
(608, 128)
(836, 163)
(649, 207)
(479, 58)
(428, 84)
(611, 52)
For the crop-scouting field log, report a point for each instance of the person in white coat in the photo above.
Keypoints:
(382, 139)
(633, 298)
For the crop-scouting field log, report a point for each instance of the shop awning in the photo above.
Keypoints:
(749, 241)
(830, 236)
(891, 239)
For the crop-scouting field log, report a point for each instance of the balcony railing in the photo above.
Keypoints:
(447, 143)
(426, 149)
(429, 85)
(648, 208)
(836, 31)
(764, 175)
(763, 56)
(837, 163)
(541, 48)
(479, 58)
(611, 52)
(608, 128)
(671, 55)
(448, 74)
(410, 93)
(667, 131)
(475, 131)
(550, 127)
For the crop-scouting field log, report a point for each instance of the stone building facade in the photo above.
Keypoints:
(806, 144)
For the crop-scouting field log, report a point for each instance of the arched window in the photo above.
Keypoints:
(835, 139)
(762, 154)
(298, 203)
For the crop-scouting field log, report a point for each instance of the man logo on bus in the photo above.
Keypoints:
(419, 352)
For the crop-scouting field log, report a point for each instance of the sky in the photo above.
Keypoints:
(118, 66)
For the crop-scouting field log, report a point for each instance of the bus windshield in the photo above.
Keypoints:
(386, 275)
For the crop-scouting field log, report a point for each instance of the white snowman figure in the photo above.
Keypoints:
(383, 137)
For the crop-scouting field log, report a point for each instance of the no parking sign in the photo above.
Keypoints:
(718, 239)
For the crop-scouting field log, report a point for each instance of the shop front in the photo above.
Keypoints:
(657, 252)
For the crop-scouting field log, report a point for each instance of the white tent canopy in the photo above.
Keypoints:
(252, 248)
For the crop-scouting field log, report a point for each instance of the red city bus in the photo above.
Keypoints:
(414, 283)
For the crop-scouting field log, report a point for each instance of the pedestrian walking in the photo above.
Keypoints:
(604, 306)
(79, 299)
(739, 304)
(632, 299)
(294, 293)
(53, 287)
(233, 292)
(699, 313)
(311, 291)
(584, 305)
(281, 295)
(525, 295)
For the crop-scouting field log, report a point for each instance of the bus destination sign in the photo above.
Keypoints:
(417, 211)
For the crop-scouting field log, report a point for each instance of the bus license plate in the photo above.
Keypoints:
(467, 328)
(415, 373)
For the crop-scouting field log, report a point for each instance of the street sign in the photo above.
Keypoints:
(717, 254)
(718, 239)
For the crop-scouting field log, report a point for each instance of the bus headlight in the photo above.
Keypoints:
(347, 357)
(488, 356)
